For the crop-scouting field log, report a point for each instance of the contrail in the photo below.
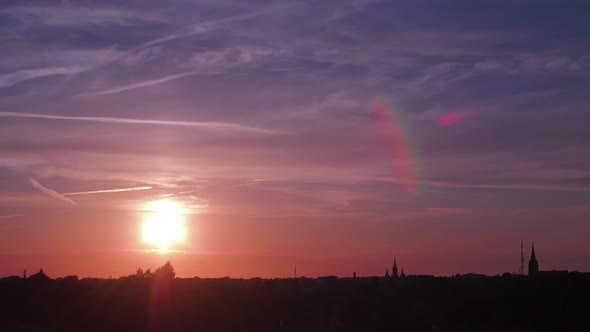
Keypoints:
(138, 85)
(12, 216)
(202, 28)
(50, 192)
(17, 77)
(193, 124)
(107, 191)
(207, 26)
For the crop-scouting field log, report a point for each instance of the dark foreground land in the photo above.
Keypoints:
(414, 303)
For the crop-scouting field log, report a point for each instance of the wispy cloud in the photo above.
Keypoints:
(142, 56)
(138, 84)
(71, 16)
(50, 192)
(208, 63)
(118, 190)
(511, 186)
(14, 78)
(138, 52)
(204, 27)
(12, 216)
(223, 126)
(232, 57)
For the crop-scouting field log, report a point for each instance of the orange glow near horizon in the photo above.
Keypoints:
(163, 224)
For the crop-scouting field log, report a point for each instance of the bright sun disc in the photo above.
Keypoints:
(163, 224)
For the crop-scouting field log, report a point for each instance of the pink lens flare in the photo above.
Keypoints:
(452, 118)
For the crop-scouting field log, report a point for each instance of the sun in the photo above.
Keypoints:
(163, 224)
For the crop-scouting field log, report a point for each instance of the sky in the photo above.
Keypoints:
(330, 136)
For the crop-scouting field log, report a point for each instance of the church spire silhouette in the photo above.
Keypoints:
(394, 273)
(533, 264)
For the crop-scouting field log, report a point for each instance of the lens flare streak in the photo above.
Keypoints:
(452, 118)
(400, 152)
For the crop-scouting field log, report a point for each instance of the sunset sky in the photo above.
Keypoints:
(326, 135)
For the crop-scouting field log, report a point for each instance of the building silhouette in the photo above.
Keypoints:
(395, 274)
(533, 264)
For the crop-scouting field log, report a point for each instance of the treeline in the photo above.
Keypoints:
(164, 272)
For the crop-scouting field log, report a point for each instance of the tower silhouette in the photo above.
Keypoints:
(394, 273)
(533, 264)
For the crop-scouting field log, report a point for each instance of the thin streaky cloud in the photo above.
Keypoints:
(523, 186)
(193, 124)
(189, 252)
(138, 85)
(50, 192)
(326, 214)
(200, 28)
(12, 216)
(80, 16)
(204, 27)
(17, 77)
(118, 190)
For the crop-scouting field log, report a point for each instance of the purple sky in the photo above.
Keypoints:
(255, 115)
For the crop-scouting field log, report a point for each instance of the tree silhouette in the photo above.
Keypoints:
(165, 272)
(39, 276)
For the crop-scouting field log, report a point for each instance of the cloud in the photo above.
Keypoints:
(520, 185)
(233, 56)
(203, 27)
(10, 79)
(118, 190)
(12, 216)
(208, 63)
(138, 85)
(222, 126)
(142, 56)
(73, 16)
(534, 63)
(50, 192)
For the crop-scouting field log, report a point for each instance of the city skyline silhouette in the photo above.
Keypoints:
(245, 138)
(533, 270)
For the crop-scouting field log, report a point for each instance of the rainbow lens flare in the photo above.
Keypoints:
(402, 155)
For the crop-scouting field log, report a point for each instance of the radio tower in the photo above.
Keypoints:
(521, 271)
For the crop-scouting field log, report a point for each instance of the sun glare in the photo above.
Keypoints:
(163, 224)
